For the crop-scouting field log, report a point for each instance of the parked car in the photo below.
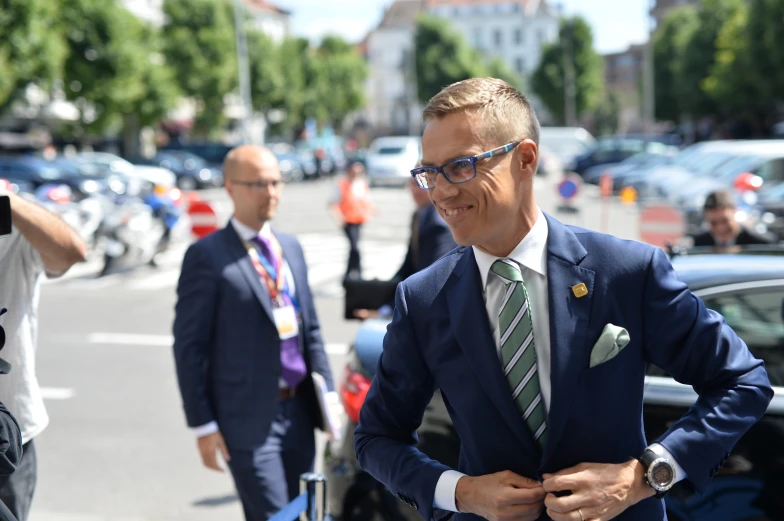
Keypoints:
(747, 289)
(610, 150)
(566, 143)
(390, 160)
(631, 165)
(192, 171)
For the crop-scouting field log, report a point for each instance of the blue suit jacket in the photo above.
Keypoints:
(435, 240)
(226, 345)
(440, 338)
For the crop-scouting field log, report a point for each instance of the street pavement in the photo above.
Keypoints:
(117, 448)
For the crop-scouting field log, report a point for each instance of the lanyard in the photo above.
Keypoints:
(265, 271)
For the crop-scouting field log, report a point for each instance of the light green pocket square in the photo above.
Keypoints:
(612, 340)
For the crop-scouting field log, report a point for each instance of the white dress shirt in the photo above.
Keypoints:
(531, 256)
(247, 233)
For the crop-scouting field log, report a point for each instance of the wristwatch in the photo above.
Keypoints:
(659, 472)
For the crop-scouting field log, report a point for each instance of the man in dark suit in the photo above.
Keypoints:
(538, 336)
(724, 229)
(246, 339)
(430, 239)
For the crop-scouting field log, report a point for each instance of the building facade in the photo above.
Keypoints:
(623, 73)
(512, 30)
(269, 19)
(392, 107)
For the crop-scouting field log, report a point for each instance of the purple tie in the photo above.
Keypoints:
(292, 364)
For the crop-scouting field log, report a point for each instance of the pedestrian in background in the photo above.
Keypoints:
(40, 242)
(246, 341)
(724, 230)
(430, 239)
(351, 207)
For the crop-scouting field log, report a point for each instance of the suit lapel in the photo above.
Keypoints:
(471, 329)
(569, 319)
(250, 273)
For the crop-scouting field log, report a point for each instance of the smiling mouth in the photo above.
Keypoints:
(451, 212)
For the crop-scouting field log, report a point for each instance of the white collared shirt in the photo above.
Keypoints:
(531, 256)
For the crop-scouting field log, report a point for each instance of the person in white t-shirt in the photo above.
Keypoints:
(40, 242)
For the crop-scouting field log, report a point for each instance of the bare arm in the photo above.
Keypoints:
(58, 244)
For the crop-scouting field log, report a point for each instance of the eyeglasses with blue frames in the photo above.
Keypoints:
(457, 171)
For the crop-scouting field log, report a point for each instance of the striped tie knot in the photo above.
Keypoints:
(508, 270)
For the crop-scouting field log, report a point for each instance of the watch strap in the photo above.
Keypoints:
(647, 458)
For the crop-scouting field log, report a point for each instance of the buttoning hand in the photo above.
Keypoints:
(598, 491)
(504, 496)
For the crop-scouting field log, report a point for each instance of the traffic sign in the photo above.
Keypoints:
(204, 220)
(661, 225)
(570, 186)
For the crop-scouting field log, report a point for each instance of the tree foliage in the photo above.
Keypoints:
(32, 50)
(444, 57)
(669, 43)
(199, 43)
(548, 81)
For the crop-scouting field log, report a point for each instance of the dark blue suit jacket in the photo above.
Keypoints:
(226, 345)
(440, 338)
(434, 241)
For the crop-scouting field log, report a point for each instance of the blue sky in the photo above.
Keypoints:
(616, 23)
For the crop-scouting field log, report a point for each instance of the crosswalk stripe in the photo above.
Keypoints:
(325, 254)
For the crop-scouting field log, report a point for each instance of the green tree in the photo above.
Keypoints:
(548, 78)
(341, 75)
(669, 43)
(199, 43)
(442, 57)
(32, 47)
(105, 61)
(699, 56)
(607, 114)
(268, 84)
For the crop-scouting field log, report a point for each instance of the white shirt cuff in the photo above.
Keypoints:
(661, 451)
(205, 430)
(444, 497)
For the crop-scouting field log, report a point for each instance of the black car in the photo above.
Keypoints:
(747, 289)
(192, 171)
(610, 150)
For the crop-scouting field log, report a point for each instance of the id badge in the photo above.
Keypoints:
(286, 321)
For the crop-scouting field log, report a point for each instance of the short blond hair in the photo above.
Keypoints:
(507, 114)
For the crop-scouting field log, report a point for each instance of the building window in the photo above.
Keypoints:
(498, 38)
(518, 36)
(520, 65)
(478, 38)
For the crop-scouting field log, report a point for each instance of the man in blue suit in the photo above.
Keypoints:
(246, 340)
(538, 336)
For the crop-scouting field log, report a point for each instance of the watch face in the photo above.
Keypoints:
(662, 474)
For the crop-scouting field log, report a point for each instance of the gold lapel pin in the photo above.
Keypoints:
(580, 290)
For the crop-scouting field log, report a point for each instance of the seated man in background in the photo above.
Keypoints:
(724, 230)
(430, 240)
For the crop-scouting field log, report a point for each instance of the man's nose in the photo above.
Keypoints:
(443, 189)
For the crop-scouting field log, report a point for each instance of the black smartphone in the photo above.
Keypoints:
(5, 215)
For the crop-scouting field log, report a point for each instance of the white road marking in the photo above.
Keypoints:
(57, 393)
(130, 339)
(134, 339)
(336, 349)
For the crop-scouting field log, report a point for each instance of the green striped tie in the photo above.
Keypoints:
(518, 353)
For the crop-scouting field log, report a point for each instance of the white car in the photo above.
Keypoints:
(389, 160)
(153, 174)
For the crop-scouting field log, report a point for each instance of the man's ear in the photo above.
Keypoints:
(528, 156)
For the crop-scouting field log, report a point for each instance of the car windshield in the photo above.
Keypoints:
(774, 193)
(564, 147)
(703, 164)
(732, 168)
(389, 150)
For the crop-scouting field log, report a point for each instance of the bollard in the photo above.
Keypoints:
(315, 485)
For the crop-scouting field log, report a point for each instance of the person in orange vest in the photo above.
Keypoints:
(351, 207)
